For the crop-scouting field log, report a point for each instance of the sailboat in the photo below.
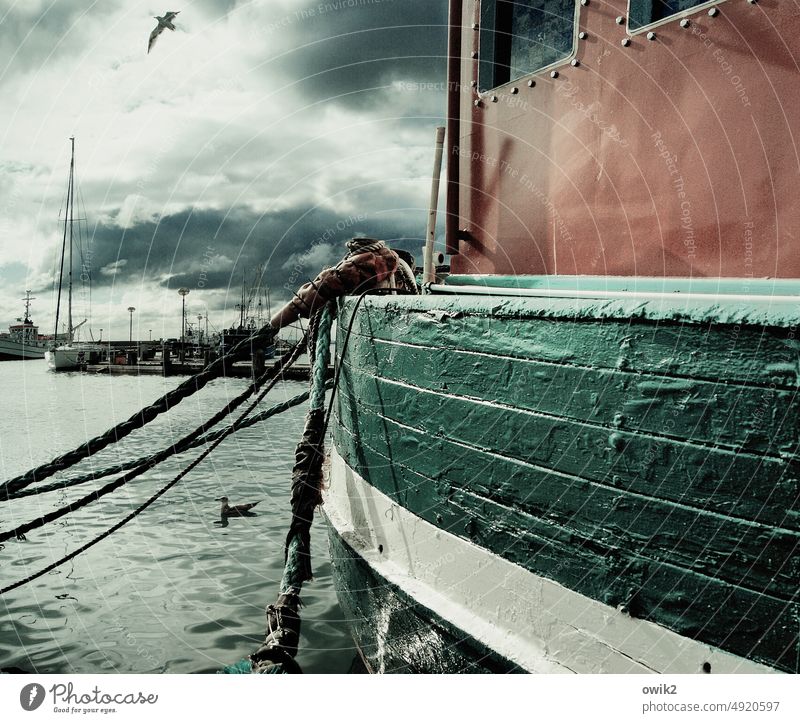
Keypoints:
(74, 354)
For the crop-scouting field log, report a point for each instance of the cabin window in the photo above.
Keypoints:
(644, 12)
(519, 38)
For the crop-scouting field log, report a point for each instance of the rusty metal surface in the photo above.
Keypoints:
(669, 157)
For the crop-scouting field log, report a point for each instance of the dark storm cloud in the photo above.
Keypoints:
(343, 49)
(209, 249)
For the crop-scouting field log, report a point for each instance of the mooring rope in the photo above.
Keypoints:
(272, 375)
(277, 653)
(138, 420)
(357, 246)
(310, 452)
(285, 362)
(205, 439)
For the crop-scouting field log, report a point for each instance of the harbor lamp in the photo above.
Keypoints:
(131, 309)
(183, 291)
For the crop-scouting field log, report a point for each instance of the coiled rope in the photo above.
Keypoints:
(287, 360)
(138, 420)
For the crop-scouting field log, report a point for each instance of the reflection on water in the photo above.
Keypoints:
(173, 590)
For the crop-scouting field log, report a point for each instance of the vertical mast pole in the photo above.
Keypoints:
(71, 222)
(428, 269)
(241, 311)
(63, 250)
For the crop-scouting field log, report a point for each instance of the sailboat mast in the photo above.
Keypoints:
(63, 248)
(71, 203)
(241, 313)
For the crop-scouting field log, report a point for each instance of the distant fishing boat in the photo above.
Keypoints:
(579, 452)
(22, 340)
(253, 312)
(74, 354)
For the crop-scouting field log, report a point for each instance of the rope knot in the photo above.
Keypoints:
(362, 245)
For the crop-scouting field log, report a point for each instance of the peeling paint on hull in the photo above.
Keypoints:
(420, 599)
(645, 462)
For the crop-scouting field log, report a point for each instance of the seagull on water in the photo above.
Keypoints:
(227, 510)
(165, 22)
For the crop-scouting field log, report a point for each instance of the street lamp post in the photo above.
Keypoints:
(183, 291)
(131, 309)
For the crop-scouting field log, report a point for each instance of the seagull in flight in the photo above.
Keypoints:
(165, 22)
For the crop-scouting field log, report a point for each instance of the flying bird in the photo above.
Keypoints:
(243, 510)
(165, 22)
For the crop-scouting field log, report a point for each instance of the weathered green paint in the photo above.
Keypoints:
(602, 561)
(735, 550)
(752, 356)
(646, 464)
(739, 485)
(728, 415)
(768, 302)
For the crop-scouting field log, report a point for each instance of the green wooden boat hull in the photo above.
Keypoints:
(641, 455)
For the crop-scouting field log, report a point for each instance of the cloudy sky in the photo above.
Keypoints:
(262, 132)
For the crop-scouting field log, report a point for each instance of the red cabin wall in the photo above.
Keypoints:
(678, 156)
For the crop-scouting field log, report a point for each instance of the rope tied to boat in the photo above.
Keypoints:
(369, 264)
(277, 652)
(273, 375)
(193, 384)
(177, 448)
(362, 245)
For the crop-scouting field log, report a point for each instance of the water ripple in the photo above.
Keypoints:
(172, 591)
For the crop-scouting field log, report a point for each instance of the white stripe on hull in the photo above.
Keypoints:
(530, 620)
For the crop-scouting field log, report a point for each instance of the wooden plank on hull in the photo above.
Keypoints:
(701, 349)
(743, 621)
(732, 416)
(739, 485)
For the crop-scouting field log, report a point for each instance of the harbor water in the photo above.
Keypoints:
(176, 589)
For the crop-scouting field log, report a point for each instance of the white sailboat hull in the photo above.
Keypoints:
(71, 357)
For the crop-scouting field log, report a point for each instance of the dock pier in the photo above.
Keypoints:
(143, 358)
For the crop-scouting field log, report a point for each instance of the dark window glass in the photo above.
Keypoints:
(518, 38)
(644, 12)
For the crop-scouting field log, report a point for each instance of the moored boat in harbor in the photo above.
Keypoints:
(579, 453)
(22, 340)
(73, 354)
